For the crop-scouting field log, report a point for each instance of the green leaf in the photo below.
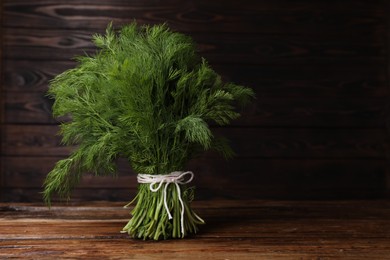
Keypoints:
(195, 130)
(144, 95)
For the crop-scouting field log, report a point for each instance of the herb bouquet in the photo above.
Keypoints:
(146, 96)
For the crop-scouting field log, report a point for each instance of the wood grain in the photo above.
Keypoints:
(317, 130)
(276, 178)
(268, 81)
(278, 112)
(301, 17)
(243, 49)
(43, 140)
(327, 81)
(234, 230)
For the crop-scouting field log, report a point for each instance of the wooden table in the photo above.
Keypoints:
(234, 230)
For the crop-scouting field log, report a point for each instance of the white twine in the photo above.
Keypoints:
(177, 178)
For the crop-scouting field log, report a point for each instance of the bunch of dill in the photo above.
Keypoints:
(148, 97)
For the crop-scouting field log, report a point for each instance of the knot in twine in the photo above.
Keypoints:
(177, 177)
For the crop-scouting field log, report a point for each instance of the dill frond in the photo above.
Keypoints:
(144, 95)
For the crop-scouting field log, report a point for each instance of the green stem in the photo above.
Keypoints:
(150, 218)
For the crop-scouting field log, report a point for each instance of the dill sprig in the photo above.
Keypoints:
(145, 95)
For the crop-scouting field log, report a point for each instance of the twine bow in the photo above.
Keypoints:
(177, 177)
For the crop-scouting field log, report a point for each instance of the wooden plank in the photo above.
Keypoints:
(230, 209)
(276, 112)
(219, 227)
(267, 81)
(217, 248)
(247, 177)
(306, 143)
(316, 112)
(2, 69)
(32, 76)
(34, 140)
(230, 249)
(354, 6)
(217, 48)
(18, 169)
(308, 81)
(252, 17)
(203, 193)
(28, 108)
(215, 178)
(43, 140)
(233, 230)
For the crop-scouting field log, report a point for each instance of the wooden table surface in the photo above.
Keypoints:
(234, 230)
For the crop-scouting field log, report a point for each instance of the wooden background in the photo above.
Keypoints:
(320, 68)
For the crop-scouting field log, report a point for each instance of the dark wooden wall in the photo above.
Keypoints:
(320, 70)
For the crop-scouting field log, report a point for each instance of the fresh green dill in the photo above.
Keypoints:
(147, 96)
